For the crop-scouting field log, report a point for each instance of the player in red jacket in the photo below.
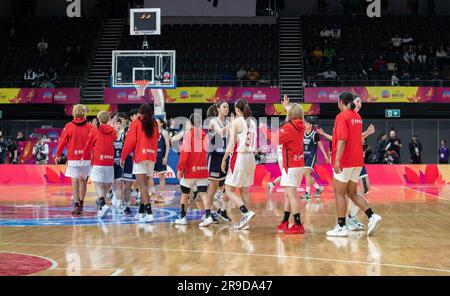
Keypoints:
(291, 139)
(142, 139)
(193, 168)
(74, 137)
(100, 150)
(347, 163)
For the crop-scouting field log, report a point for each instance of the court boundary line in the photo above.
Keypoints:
(238, 254)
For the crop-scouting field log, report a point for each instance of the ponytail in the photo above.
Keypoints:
(212, 111)
(243, 106)
(148, 122)
(347, 99)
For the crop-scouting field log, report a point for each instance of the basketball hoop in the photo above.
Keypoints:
(140, 86)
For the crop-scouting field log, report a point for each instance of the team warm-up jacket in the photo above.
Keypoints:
(100, 145)
(291, 137)
(193, 155)
(74, 136)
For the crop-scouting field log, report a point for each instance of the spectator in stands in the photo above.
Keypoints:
(241, 74)
(52, 75)
(443, 153)
(431, 7)
(395, 80)
(391, 66)
(29, 75)
(415, 149)
(41, 151)
(381, 147)
(394, 143)
(328, 75)
(409, 55)
(42, 47)
(406, 76)
(317, 55)
(367, 152)
(40, 75)
(323, 6)
(421, 54)
(397, 41)
(329, 54)
(380, 65)
(336, 32)
(431, 55)
(253, 74)
(441, 55)
(3, 148)
(13, 148)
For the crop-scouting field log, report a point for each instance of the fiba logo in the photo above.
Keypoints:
(74, 8)
(374, 8)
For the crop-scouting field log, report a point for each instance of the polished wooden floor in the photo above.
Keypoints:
(414, 238)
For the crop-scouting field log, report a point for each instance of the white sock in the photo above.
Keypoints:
(316, 186)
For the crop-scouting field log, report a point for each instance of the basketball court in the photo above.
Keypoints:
(40, 237)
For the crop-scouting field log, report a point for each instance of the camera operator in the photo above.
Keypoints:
(3, 148)
(41, 151)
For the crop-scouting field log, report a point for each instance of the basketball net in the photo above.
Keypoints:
(140, 86)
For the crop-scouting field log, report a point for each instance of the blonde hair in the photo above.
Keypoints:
(79, 111)
(295, 112)
(103, 117)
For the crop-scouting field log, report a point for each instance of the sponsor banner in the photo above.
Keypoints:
(206, 95)
(126, 96)
(39, 95)
(278, 110)
(442, 95)
(93, 109)
(377, 94)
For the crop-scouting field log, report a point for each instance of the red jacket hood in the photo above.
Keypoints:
(298, 124)
(79, 121)
(106, 129)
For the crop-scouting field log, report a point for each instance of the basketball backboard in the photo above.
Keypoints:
(156, 66)
(145, 21)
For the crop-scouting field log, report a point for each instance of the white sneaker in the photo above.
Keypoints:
(353, 224)
(206, 222)
(244, 220)
(374, 223)
(181, 221)
(147, 218)
(103, 211)
(338, 231)
(270, 187)
(139, 216)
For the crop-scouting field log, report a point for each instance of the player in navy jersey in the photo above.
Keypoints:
(218, 131)
(162, 157)
(311, 141)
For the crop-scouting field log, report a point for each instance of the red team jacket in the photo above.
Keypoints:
(144, 148)
(101, 142)
(348, 127)
(291, 137)
(193, 155)
(74, 136)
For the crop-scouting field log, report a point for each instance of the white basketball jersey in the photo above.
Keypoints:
(246, 140)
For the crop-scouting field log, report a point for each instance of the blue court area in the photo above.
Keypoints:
(39, 215)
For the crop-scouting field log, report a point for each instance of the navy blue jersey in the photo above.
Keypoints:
(217, 144)
(118, 146)
(162, 144)
(310, 143)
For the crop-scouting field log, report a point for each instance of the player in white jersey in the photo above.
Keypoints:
(241, 147)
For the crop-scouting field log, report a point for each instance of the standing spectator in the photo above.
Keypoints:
(381, 147)
(410, 55)
(29, 75)
(415, 149)
(431, 7)
(394, 80)
(41, 151)
(329, 53)
(443, 153)
(394, 143)
(241, 74)
(323, 6)
(3, 148)
(42, 47)
(13, 148)
(318, 55)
